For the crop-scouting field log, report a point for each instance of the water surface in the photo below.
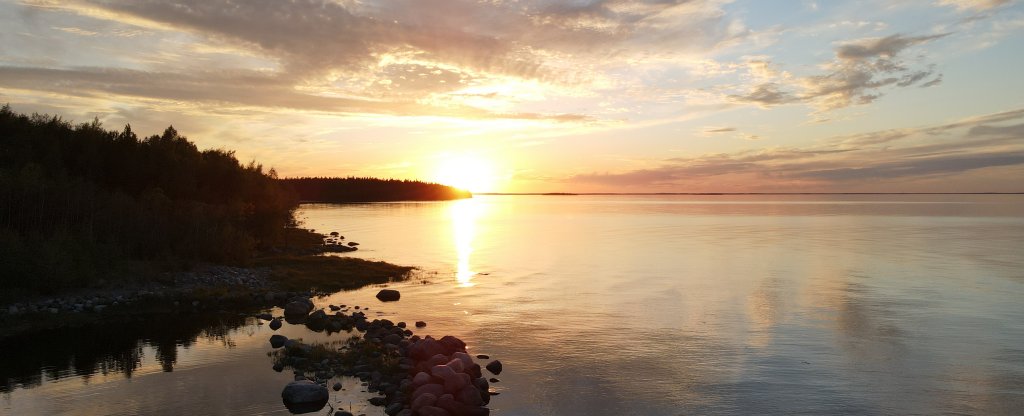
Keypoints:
(657, 305)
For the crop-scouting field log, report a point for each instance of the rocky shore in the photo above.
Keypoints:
(411, 375)
(188, 289)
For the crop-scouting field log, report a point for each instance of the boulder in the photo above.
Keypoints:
(435, 389)
(275, 324)
(278, 340)
(425, 399)
(433, 411)
(304, 396)
(420, 379)
(393, 409)
(425, 348)
(469, 395)
(298, 307)
(494, 367)
(452, 344)
(389, 295)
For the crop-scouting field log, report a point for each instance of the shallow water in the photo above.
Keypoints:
(642, 305)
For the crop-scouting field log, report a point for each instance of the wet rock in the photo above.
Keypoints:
(420, 324)
(483, 356)
(278, 340)
(275, 324)
(494, 367)
(388, 295)
(298, 307)
(378, 401)
(352, 244)
(337, 386)
(304, 396)
(265, 316)
(343, 413)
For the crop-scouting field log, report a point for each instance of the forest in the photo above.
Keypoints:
(81, 204)
(371, 190)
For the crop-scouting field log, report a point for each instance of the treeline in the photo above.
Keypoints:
(371, 190)
(79, 203)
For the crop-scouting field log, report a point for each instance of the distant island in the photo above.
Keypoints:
(353, 189)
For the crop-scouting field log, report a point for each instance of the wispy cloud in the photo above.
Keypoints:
(861, 69)
(843, 161)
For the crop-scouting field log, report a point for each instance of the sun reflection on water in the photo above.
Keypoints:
(464, 216)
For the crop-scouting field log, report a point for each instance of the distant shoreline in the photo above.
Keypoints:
(739, 193)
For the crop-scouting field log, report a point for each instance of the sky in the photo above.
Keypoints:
(551, 96)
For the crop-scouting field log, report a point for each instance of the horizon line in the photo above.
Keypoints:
(740, 193)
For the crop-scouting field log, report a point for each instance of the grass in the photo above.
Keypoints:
(328, 274)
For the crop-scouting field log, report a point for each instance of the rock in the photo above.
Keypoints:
(467, 361)
(388, 295)
(275, 324)
(435, 389)
(393, 409)
(420, 324)
(337, 386)
(378, 401)
(433, 411)
(457, 365)
(494, 380)
(494, 367)
(298, 307)
(425, 348)
(352, 244)
(420, 379)
(425, 399)
(334, 308)
(334, 234)
(278, 340)
(456, 383)
(304, 396)
(452, 344)
(265, 316)
(442, 371)
(483, 356)
(343, 413)
(469, 395)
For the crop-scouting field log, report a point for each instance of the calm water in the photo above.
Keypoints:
(633, 305)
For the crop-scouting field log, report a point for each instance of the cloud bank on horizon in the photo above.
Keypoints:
(590, 95)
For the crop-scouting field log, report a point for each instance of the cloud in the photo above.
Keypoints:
(973, 4)
(870, 159)
(860, 72)
(392, 53)
(719, 129)
(240, 88)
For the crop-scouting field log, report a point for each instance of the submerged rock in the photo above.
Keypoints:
(304, 396)
(388, 295)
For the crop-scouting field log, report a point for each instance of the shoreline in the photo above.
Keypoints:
(300, 268)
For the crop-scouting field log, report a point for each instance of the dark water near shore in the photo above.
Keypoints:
(642, 305)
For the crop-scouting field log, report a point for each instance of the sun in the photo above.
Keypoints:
(470, 172)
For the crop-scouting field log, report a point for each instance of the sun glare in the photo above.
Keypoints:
(470, 172)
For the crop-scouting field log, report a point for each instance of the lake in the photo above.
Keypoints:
(628, 305)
